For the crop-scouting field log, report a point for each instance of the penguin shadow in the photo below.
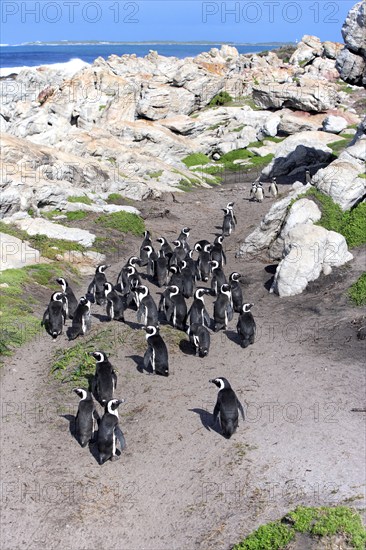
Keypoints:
(102, 318)
(133, 324)
(89, 297)
(271, 269)
(139, 361)
(233, 336)
(71, 420)
(207, 420)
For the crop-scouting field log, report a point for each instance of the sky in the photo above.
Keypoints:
(149, 20)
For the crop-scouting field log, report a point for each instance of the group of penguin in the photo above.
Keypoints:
(257, 191)
(174, 268)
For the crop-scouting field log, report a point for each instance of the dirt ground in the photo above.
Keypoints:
(180, 484)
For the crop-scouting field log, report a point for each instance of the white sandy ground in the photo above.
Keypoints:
(181, 485)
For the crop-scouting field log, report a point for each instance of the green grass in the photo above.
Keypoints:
(351, 224)
(125, 222)
(49, 248)
(339, 146)
(362, 176)
(317, 522)
(77, 215)
(155, 175)
(196, 159)
(83, 199)
(357, 291)
(222, 98)
(114, 197)
(101, 107)
(18, 324)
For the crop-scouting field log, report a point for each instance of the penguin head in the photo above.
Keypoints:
(198, 247)
(174, 269)
(148, 249)
(107, 288)
(230, 205)
(173, 290)
(151, 331)
(142, 290)
(225, 289)
(225, 210)
(134, 260)
(219, 239)
(274, 179)
(221, 383)
(130, 270)
(99, 356)
(199, 293)
(101, 268)
(235, 276)
(186, 230)
(112, 406)
(85, 302)
(183, 264)
(177, 243)
(57, 297)
(247, 307)
(207, 247)
(61, 281)
(214, 264)
(81, 393)
(161, 240)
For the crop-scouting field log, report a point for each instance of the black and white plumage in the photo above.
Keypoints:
(156, 355)
(143, 254)
(228, 224)
(123, 276)
(218, 277)
(230, 207)
(273, 188)
(236, 291)
(253, 191)
(176, 278)
(198, 313)
(109, 432)
(147, 312)
(54, 317)
(177, 310)
(165, 248)
(307, 177)
(259, 193)
(151, 261)
(203, 263)
(81, 321)
(161, 269)
(227, 407)
(246, 326)
(179, 253)
(96, 287)
(116, 304)
(183, 238)
(188, 279)
(217, 252)
(86, 417)
(223, 311)
(199, 337)
(72, 302)
(105, 378)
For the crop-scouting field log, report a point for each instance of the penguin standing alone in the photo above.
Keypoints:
(86, 417)
(246, 327)
(273, 188)
(156, 354)
(227, 406)
(109, 432)
(259, 194)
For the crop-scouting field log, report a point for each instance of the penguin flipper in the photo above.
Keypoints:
(206, 319)
(240, 407)
(223, 257)
(46, 317)
(147, 357)
(114, 376)
(91, 288)
(121, 438)
(140, 313)
(230, 311)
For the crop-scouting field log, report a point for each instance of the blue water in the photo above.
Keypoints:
(18, 56)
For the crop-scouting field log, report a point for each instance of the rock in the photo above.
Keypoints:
(334, 124)
(182, 124)
(16, 253)
(302, 149)
(159, 102)
(40, 226)
(340, 181)
(307, 49)
(270, 127)
(306, 95)
(322, 69)
(216, 156)
(84, 261)
(351, 67)
(293, 122)
(331, 49)
(353, 30)
(309, 250)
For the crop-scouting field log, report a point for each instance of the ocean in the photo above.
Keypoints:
(16, 57)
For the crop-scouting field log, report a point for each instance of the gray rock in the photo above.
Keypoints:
(351, 67)
(16, 253)
(334, 124)
(309, 95)
(353, 30)
(340, 181)
(309, 251)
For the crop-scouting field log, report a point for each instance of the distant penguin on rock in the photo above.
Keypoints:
(86, 417)
(54, 317)
(308, 177)
(81, 321)
(227, 407)
(246, 326)
(109, 432)
(72, 302)
(96, 287)
(156, 354)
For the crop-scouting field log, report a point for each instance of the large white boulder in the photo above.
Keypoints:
(16, 253)
(340, 180)
(309, 251)
(334, 124)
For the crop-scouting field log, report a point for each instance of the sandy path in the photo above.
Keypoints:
(181, 485)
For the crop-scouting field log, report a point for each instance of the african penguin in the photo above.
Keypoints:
(253, 191)
(230, 207)
(54, 317)
(198, 313)
(161, 269)
(72, 302)
(223, 311)
(179, 253)
(273, 188)
(183, 238)
(147, 311)
(165, 247)
(116, 305)
(259, 194)
(122, 278)
(109, 432)
(177, 311)
(86, 417)
(105, 378)
(218, 277)
(96, 287)
(217, 252)
(236, 291)
(151, 260)
(228, 224)
(187, 279)
(199, 338)
(156, 354)
(227, 407)
(143, 254)
(246, 327)
(81, 321)
(176, 277)
(203, 264)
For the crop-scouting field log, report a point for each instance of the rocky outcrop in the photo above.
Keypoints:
(334, 124)
(16, 253)
(309, 251)
(304, 149)
(351, 61)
